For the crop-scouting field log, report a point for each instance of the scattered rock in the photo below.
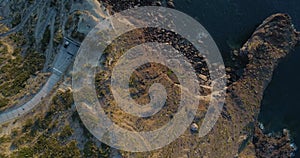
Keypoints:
(261, 126)
(286, 132)
(170, 4)
(194, 127)
(203, 77)
(236, 53)
(158, 3)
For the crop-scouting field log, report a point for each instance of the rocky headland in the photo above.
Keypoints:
(272, 41)
(236, 133)
(56, 129)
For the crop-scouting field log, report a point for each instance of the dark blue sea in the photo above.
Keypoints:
(231, 23)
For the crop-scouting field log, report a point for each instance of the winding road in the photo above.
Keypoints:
(41, 26)
(64, 58)
(24, 20)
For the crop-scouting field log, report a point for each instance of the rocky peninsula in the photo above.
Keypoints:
(54, 128)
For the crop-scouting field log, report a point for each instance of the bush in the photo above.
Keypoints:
(3, 102)
(4, 139)
(62, 101)
(24, 152)
(90, 149)
(66, 132)
(16, 72)
(49, 147)
(28, 125)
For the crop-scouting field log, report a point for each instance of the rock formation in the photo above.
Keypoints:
(273, 145)
(271, 41)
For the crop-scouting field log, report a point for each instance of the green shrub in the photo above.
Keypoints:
(3, 102)
(62, 101)
(24, 152)
(90, 149)
(28, 125)
(17, 71)
(4, 139)
(66, 132)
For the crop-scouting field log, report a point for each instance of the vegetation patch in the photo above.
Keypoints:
(56, 133)
(16, 67)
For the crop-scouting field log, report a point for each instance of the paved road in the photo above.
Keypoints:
(61, 63)
(41, 13)
(49, 51)
(41, 26)
(24, 20)
(5, 21)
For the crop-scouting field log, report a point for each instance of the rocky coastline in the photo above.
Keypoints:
(272, 41)
(273, 144)
(236, 133)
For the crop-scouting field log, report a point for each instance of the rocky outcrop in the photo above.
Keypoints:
(233, 133)
(273, 145)
(271, 41)
(117, 6)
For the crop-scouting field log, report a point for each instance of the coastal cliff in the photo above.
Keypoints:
(271, 41)
(54, 128)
